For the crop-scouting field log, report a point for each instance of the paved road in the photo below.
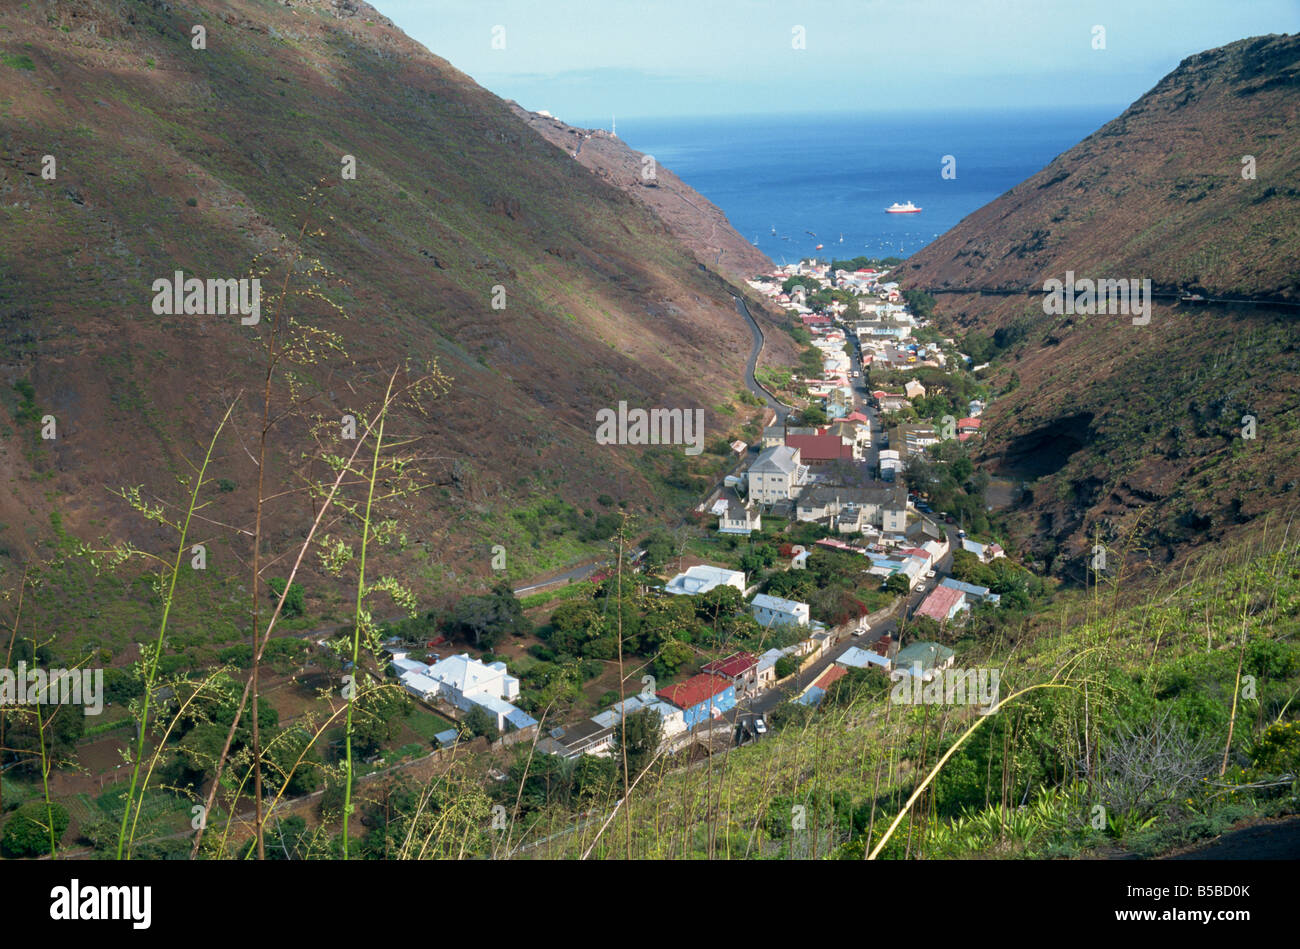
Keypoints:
(776, 405)
(1157, 294)
(581, 572)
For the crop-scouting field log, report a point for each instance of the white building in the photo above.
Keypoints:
(702, 578)
(890, 464)
(777, 475)
(466, 683)
(777, 611)
(737, 517)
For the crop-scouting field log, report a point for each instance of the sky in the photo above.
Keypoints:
(585, 60)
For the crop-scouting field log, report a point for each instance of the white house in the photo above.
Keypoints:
(985, 552)
(702, 578)
(890, 464)
(776, 475)
(466, 683)
(737, 517)
(777, 611)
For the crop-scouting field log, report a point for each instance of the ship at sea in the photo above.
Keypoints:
(897, 208)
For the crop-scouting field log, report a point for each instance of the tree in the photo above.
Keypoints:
(813, 415)
(672, 656)
(377, 718)
(721, 601)
(786, 666)
(479, 722)
(58, 727)
(923, 629)
(28, 832)
(487, 618)
(659, 550)
(293, 602)
(962, 469)
(644, 732)
(897, 583)
(575, 624)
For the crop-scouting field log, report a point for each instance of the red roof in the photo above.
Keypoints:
(732, 666)
(856, 417)
(969, 423)
(916, 552)
(820, 447)
(938, 604)
(838, 545)
(831, 676)
(695, 690)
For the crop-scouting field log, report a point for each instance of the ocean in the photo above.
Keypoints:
(827, 179)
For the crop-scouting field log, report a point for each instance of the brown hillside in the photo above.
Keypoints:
(174, 158)
(1134, 430)
(693, 219)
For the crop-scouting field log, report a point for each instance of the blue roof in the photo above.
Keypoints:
(813, 696)
(982, 592)
(861, 658)
(521, 719)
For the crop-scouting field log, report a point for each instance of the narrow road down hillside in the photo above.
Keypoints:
(772, 402)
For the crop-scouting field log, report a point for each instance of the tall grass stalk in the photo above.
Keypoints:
(151, 674)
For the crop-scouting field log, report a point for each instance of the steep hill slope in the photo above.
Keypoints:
(169, 157)
(693, 219)
(1135, 431)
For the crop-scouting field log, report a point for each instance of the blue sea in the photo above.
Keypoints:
(834, 175)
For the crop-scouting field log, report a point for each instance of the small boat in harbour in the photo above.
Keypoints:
(897, 208)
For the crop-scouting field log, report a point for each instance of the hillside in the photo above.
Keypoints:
(693, 219)
(231, 158)
(1135, 431)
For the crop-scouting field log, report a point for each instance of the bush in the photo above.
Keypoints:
(786, 666)
(293, 602)
(27, 833)
(479, 722)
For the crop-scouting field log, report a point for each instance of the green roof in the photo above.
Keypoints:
(928, 655)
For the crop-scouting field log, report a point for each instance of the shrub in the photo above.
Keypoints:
(27, 833)
(293, 602)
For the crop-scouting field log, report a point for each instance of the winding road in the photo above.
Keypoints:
(772, 402)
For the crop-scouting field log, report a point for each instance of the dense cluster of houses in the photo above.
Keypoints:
(922, 660)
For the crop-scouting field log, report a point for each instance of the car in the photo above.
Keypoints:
(760, 726)
(949, 519)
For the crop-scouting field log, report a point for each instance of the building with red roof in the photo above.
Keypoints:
(739, 668)
(701, 697)
(831, 676)
(942, 604)
(820, 447)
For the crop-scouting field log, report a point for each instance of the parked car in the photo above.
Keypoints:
(949, 519)
(760, 726)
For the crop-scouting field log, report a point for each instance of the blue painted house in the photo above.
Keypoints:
(701, 697)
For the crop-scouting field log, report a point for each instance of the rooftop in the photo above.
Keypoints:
(693, 691)
(732, 666)
(927, 654)
(940, 603)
